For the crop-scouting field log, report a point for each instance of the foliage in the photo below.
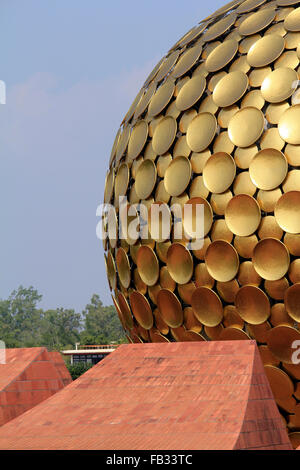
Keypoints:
(24, 324)
(78, 369)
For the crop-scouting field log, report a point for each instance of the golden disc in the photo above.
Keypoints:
(222, 261)
(180, 263)
(202, 276)
(162, 164)
(228, 290)
(292, 181)
(222, 143)
(247, 42)
(243, 184)
(207, 306)
(287, 212)
(177, 176)
(190, 321)
(213, 332)
(141, 310)
(271, 259)
(219, 28)
(279, 84)
(242, 215)
(181, 148)
(166, 280)
(208, 105)
(243, 156)
(288, 59)
(121, 182)
(199, 159)
(230, 88)
(249, 5)
(291, 301)
(137, 139)
(187, 60)
(122, 143)
(232, 318)
(265, 50)
(164, 135)
(257, 76)
(169, 308)
(209, 48)
(147, 265)
(247, 274)
(190, 93)
(125, 310)
(109, 185)
(240, 64)
(269, 228)
(159, 221)
(185, 291)
(157, 337)
(267, 357)
(139, 284)
(190, 216)
(276, 289)
(201, 131)
(279, 316)
(219, 202)
(145, 179)
(253, 98)
(232, 333)
(281, 385)
(292, 241)
(292, 153)
(144, 101)
(221, 55)
(185, 119)
(220, 231)
(256, 22)
(276, 28)
(246, 126)
(292, 21)
(271, 138)
(159, 322)
(252, 305)
(161, 194)
(226, 114)
(197, 188)
(111, 270)
(166, 66)
(294, 271)
(268, 168)
(123, 267)
(275, 111)
(153, 292)
(161, 98)
(289, 125)
(219, 172)
(268, 199)
(259, 332)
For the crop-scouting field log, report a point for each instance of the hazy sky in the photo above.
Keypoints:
(72, 69)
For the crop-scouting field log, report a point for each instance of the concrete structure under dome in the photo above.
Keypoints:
(29, 376)
(179, 396)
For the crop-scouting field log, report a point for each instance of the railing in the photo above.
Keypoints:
(97, 346)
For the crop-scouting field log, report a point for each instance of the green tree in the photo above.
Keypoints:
(60, 328)
(101, 324)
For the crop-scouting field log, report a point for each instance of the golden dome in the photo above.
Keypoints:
(217, 123)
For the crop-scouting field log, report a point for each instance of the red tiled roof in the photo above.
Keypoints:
(206, 395)
(29, 376)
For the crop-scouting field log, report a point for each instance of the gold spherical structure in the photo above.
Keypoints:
(217, 123)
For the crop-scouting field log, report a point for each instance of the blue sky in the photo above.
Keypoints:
(72, 69)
